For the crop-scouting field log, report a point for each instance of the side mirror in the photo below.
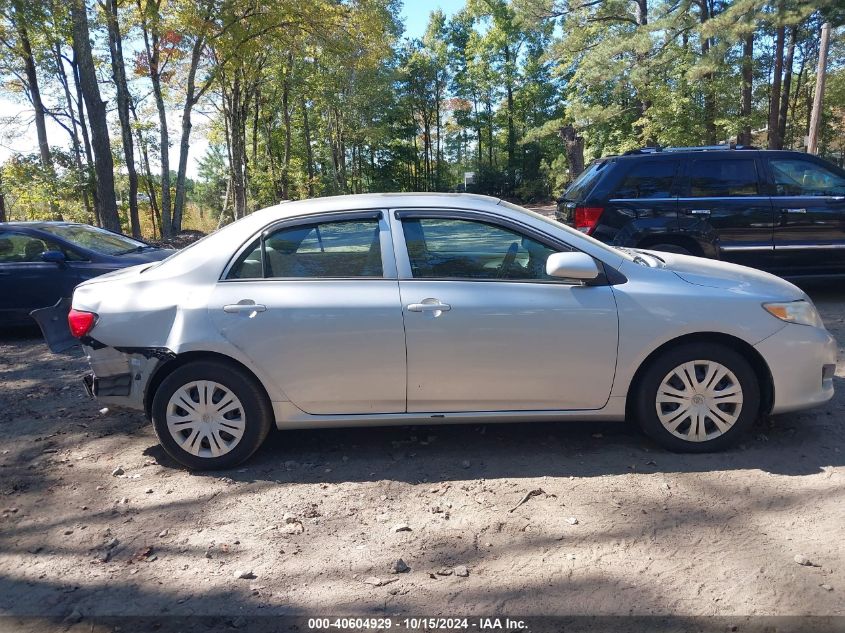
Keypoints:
(54, 257)
(573, 265)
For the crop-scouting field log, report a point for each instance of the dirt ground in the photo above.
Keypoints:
(619, 526)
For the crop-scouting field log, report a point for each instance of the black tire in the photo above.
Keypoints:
(257, 412)
(645, 404)
(668, 248)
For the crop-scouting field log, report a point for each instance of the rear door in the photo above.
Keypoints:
(808, 196)
(723, 193)
(314, 303)
(644, 201)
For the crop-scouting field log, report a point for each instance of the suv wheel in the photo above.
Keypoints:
(698, 398)
(210, 415)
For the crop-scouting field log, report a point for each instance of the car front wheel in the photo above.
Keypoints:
(210, 415)
(698, 398)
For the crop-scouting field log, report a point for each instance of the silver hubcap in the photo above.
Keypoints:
(205, 418)
(699, 400)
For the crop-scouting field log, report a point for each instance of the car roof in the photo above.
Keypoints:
(38, 224)
(686, 152)
(364, 201)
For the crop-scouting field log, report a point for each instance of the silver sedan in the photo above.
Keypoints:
(430, 308)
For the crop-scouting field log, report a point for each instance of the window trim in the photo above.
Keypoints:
(387, 264)
(403, 262)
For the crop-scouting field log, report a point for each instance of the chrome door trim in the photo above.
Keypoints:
(746, 248)
(798, 247)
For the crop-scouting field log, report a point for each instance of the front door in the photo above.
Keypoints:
(26, 281)
(316, 307)
(488, 330)
(723, 195)
(809, 202)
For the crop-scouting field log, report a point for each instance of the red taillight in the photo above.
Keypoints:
(586, 218)
(80, 322)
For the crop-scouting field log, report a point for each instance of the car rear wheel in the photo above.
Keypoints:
(698, 398)
(210, 415)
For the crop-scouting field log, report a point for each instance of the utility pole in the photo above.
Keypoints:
(815, 118)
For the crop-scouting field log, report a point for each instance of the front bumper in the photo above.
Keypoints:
(800, 358)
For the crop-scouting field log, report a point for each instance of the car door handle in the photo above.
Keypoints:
(234, 308)
(699, 212)
(796, 210)
(429, 307)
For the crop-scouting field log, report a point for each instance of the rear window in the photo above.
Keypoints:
(648, 179)
(584, 183)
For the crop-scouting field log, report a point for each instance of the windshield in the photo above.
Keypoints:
(562, 227)
(96, 239)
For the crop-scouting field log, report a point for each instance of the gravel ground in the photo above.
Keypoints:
(615, 525)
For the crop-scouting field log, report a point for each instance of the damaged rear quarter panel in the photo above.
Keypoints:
(143, 318)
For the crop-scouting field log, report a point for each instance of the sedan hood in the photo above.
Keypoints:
(710, 273)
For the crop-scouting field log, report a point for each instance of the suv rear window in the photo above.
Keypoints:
(723, 178)
(584, 183)
(648, 179)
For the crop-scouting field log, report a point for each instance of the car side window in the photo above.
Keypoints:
(648, 179)
(798, 177)
(345, 248)
(468, 249)
(723, 178)
(21, 247)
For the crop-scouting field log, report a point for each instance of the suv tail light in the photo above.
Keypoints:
(80, 322)
(586, 218)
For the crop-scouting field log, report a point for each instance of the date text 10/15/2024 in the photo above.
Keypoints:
(427, 624)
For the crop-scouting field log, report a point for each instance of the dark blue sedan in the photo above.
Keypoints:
(42, 262)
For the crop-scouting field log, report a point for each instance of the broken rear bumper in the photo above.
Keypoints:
(120, 376)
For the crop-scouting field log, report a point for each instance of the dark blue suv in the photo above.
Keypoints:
(781, 211)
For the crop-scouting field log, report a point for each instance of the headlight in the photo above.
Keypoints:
(800, 312)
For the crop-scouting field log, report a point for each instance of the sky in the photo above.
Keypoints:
(415, 14)
(17, 130)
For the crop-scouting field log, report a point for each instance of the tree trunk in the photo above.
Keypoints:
(86, 141)
(152, 46)
(774, 101)
(574, 150)
(309, 154)
(82, 171)
(709, 89)
(35, 98)
(747, 86)
(787, 84)
(3, 217)
(155, 216)
(510, 180)
(286, 114)
(191, 98)
(122, 90)
(103, 164)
